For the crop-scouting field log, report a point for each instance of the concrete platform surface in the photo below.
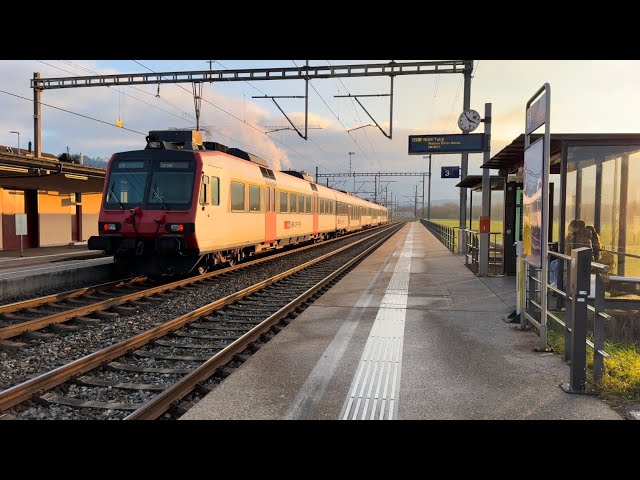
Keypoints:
(39, 256)
(50, 268)
(410, 333)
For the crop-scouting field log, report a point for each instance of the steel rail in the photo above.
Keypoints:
(11, 331)
(25, 390)
(157, 406)
(56, 297)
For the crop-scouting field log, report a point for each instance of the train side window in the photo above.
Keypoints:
(214, 187)
(284, 202)
(300, 203)
(293, 201)
(321, 212)
(204, 198)
(237, 196)
(307, 203)
(268, 203)
(254, 198)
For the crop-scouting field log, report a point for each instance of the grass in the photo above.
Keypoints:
(621, 378)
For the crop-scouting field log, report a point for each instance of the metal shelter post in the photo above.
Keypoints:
(466, 104)
(485, 218)
(579, 288)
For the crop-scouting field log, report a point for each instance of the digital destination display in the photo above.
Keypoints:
(454, 143)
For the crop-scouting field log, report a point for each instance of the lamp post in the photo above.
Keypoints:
(18, 133)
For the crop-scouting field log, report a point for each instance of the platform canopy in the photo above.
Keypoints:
(474, 182)
(48, 173)
(511, 157)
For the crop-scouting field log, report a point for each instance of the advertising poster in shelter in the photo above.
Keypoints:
(532, 203)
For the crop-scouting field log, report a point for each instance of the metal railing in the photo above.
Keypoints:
(581, 297)
(472, 257)
(446, 234)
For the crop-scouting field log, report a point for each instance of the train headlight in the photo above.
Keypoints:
(109, 227)
(180, 227)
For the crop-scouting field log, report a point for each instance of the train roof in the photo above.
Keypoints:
(192, 140)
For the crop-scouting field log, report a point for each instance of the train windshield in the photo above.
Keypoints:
(150, 183)
(171, 185)
(126, 184)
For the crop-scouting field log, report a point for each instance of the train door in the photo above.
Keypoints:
(270, 215)
(314, 211)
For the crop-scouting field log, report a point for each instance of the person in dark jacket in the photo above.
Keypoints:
(577, 237)
(596, 243)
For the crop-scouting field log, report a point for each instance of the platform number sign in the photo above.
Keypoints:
(450, 172)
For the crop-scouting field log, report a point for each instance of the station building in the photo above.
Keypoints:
(61, 199)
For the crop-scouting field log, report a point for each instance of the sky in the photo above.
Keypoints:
(586, 97)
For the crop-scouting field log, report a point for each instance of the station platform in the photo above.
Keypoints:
(50, 268)
(30, 256)
(409, 334)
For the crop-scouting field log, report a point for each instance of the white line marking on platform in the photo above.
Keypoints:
(382, 356)
(310, 394)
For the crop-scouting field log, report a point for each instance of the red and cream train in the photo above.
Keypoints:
(182, 205)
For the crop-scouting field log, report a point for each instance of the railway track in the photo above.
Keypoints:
(90, 305)
(143, 376)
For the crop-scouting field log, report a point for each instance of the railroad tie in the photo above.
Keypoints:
(38, 335)
(54, 398)
(123, 309)
(86, 320)
(60, 327)
(9, 346)
(105, 315)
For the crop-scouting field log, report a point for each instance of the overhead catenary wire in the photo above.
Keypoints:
(263, 93)
(453, 104)
(73, 113)
(88, 70)
(339, 121)
(109, 86)
(434, 102)
(113, 125)
(353, 105)
(234, 116)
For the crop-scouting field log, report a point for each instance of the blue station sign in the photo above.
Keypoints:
(454, 143)
(450, 172)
